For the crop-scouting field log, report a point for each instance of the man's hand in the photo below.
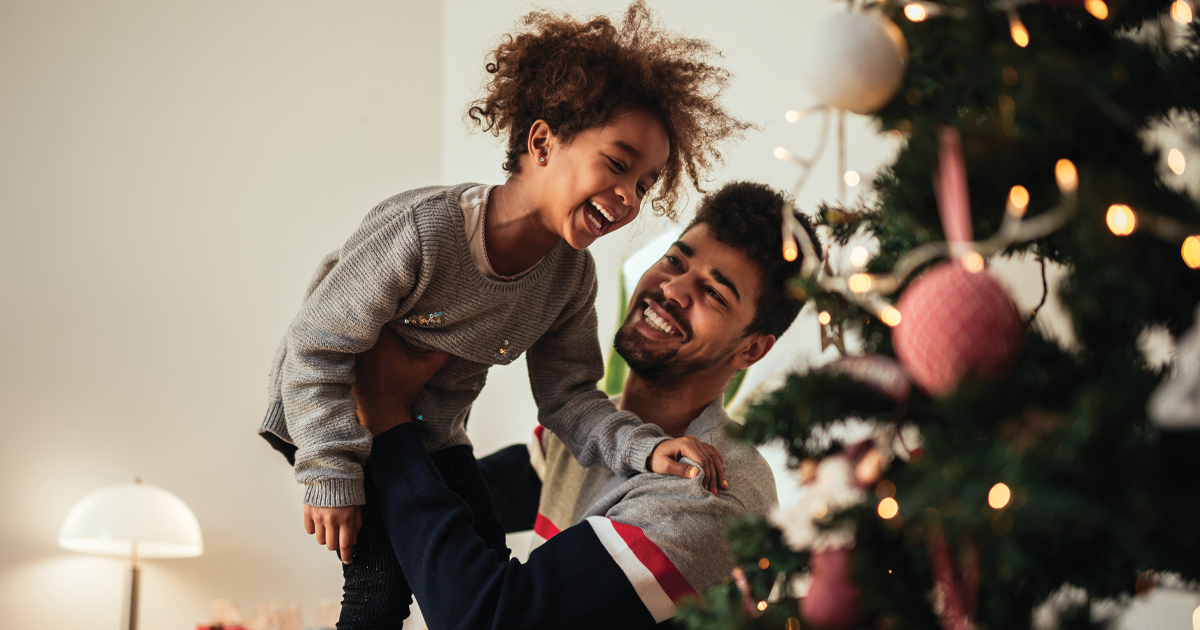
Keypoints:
(335, 527)
(664, 460)
(387, 379)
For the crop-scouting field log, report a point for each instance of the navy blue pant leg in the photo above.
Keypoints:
(375, 594)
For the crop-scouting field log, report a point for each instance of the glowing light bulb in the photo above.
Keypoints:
(851, 178)
(1066, 175)
(890, 316)
(1191, 251)
(1097, 8)
(762, 606)
(782, 153)
(820, 511)
(885, 489)
(1196, 619)
(793, 115)
(824, 318)
(999, 496)
(763, 563)
(790, 249)
(1018, 201)
(1181, 12)
(1016, 28)
(915, 12)
(859, 256)
(1176, 162)
(973, 262)
(1121, 219)
(860, 282)
(888, 508)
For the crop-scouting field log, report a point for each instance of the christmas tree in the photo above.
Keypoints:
(1018, 481)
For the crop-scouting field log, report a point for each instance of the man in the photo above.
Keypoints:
(619, 551)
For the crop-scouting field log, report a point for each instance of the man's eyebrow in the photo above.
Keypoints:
(683, 247)
(720, 277)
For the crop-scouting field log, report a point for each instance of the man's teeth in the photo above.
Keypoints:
(657, 322)
(607, 215)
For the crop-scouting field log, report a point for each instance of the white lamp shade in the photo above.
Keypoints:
(110, 519)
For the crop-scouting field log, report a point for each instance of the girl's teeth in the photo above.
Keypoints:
(607, 215)
(595, 222)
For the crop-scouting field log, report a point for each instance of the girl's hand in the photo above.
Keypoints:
(335, 527)
(387, 379)
(664, 460)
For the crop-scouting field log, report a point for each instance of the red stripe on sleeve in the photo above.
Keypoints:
(543, 527)
(669, 578)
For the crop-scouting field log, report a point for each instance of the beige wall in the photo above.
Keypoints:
(170, 174)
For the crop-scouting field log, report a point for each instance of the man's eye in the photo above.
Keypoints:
(671, 260)
(642, 191)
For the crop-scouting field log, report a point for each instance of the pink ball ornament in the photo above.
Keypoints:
(955, 324)
(832, 600)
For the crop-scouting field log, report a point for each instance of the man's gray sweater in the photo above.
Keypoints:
(409, 266)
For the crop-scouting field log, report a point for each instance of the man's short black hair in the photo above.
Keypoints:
(748, 216)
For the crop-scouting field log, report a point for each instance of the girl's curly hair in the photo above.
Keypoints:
(579, 75)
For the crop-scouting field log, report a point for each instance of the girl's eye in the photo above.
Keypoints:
(617, 165)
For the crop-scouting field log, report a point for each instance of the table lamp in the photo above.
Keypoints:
(137, 520)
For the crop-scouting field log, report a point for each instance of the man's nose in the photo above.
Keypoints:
(676, 290)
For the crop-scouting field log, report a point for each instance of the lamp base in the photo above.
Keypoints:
(130, 618)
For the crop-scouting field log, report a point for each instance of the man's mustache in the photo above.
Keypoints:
(672, 309)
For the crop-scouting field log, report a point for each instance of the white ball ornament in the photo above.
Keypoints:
(855, 61)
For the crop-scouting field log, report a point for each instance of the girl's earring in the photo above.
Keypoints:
(542, 159)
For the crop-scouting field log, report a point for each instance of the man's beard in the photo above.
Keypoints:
(658, 367)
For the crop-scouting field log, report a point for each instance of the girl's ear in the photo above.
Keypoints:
(541, 139)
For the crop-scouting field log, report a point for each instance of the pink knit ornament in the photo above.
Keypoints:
(956, 324)
(832, 600)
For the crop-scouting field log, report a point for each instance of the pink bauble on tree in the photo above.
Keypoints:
(957, 320)
(832, 600)
(956, 324)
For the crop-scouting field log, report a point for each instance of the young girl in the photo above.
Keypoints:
(596, 117)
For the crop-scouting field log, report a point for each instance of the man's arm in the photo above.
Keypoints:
(572, 581)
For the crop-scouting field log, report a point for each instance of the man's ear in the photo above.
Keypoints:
(752, 349)
(540, 141)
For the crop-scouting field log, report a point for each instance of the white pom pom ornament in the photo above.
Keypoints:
(855, 61)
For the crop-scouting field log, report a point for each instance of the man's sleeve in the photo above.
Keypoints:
(564, 366)
(573, 581)
(342, 317)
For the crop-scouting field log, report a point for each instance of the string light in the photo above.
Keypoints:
(790, 249)
(1191, 251)
(851, 178)
(1181, 12)
(1176, 162)
(763, 563)
(1018, 201)
(915, 11)
(1066, 176)
(890, 316)
(885, 489)
(973, 262)
(762, 606)
(1097, 8)
(1196, 619)
(1121, 220)
(860, 283)
(792, 624)
(999, 496)
(824, 318)
(792, 115)
(1020, 34)
(858, 256)
(782, 154)
(888, 508)
(820, 511)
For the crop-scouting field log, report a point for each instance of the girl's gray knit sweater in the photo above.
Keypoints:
(409, 267)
